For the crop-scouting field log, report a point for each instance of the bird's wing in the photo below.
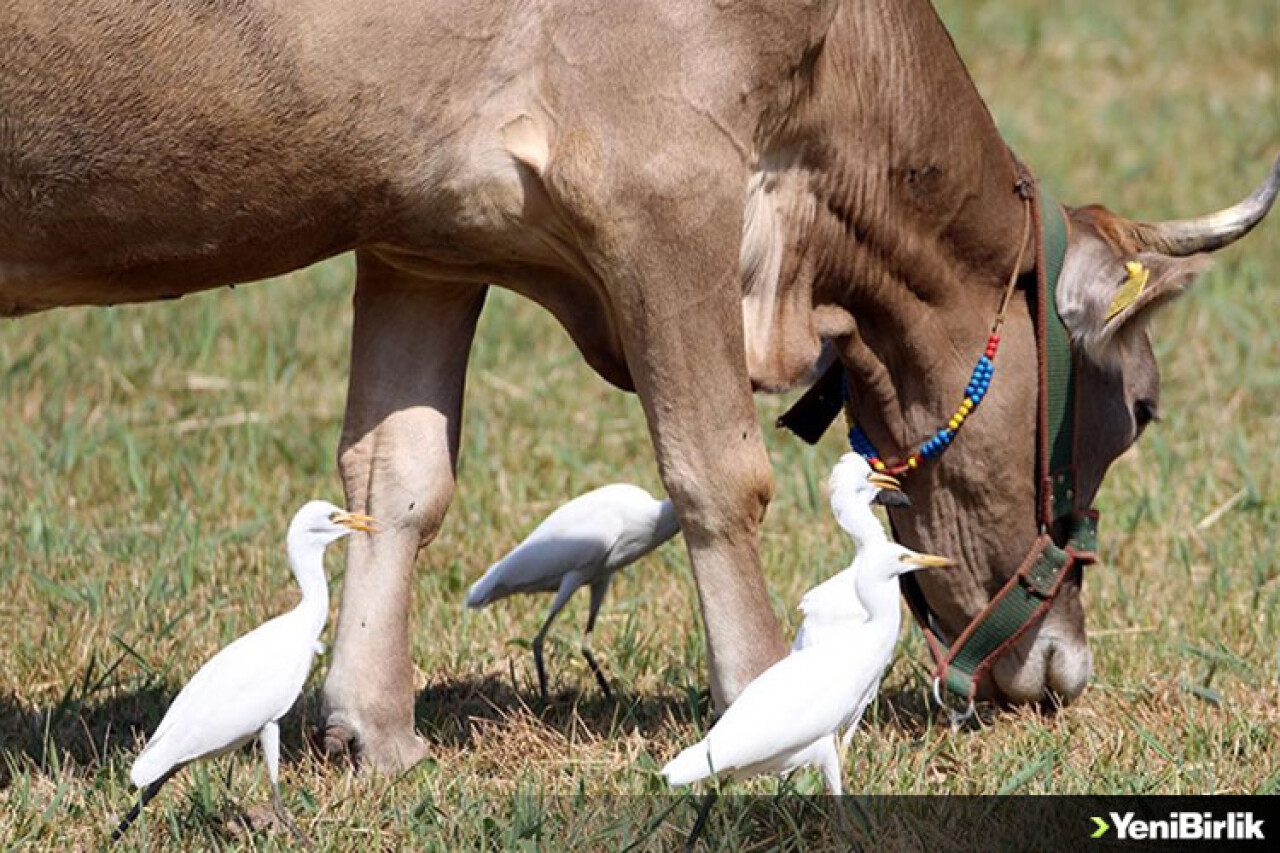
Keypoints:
(828, 608)
(575, 538)
(251, 682)
(788, 707)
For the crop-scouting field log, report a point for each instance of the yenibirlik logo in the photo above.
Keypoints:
(1183, 826)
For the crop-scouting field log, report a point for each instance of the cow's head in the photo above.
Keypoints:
(1107, 314)
(1120, 378)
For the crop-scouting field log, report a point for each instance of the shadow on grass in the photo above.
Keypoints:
(80, 736)
(451, 713)
(75, 734)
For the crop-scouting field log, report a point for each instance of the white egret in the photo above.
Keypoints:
(787, 717)
(583, 543)
(854, 488)
(244, 690)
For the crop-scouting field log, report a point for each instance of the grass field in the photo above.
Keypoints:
(152, 456)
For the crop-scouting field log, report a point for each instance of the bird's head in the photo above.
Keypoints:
(853, 482)
(320, 522)
(898, 560)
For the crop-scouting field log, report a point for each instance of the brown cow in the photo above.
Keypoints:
(595, 157)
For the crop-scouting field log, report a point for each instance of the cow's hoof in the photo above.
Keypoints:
(378, 752)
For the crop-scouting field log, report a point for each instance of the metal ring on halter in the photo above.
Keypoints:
(956, 719)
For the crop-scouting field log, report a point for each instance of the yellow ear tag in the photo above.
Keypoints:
(1130, 290)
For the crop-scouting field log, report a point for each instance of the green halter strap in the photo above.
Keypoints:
(1068, 532)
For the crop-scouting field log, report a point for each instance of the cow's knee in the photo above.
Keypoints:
(726, 499)
(391, 474)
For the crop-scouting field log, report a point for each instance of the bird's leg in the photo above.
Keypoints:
(598, 590)
(829, 765)
(567, 586)
(269, 738)
(700, 823)
(148, 794)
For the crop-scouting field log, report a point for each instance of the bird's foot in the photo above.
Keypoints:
(266, 818)
(375, 750)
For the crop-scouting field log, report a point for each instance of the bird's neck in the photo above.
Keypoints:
(879, 597)
(307, 561)
(864, 527)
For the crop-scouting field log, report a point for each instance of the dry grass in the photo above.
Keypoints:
(153, 455)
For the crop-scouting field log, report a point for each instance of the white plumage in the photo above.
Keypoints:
(244, 690)
(854, 488)
(788, 716)
(583, 543)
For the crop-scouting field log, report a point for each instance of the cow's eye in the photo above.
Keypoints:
(1144, 412)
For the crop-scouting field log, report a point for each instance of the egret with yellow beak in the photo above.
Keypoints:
(788, 716)
(583, 543)
(854, 488)
(244, 690)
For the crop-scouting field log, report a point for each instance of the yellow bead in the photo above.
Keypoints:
(879, 466)
(911, 463)
(953, 423)
(967, 405)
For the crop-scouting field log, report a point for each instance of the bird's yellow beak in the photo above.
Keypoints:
(357, 521)
(926, 561)
(884, 481)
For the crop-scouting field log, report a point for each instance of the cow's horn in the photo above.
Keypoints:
(1182, 237)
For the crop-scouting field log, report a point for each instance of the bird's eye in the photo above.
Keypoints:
(1144, 412)
(333, 516)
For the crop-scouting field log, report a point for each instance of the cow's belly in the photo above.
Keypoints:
(83, 278)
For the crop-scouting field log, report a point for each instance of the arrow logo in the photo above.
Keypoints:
(1103, 826)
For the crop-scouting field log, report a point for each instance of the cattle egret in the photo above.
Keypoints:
(583, 543)
(245, 689)
(786, 718)
(854, 488)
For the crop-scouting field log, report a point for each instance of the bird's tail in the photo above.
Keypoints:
(482, 591)
(689, 766)
(150, 766)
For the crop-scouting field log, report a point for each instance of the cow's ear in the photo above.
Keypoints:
(1143, 283)
(1105, 297)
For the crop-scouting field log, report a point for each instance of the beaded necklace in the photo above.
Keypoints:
(979, 383)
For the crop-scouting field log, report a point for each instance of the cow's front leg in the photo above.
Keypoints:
(679, 300)
(397, 457)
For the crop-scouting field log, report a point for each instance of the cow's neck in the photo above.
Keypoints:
(894, 198)
(924, 222)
